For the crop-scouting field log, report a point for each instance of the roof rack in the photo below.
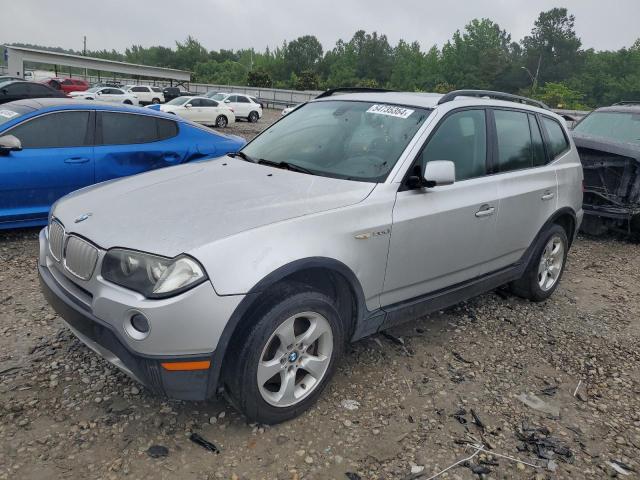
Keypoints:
(491, 94)
(333, 91)
(627, 102)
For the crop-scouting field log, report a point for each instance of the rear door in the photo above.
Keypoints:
(128, 143)
(527, 186)
(56, 159)
(209, 111)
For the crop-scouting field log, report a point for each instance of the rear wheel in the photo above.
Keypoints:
(545, 268)
(221, 121)
(288, 357)
(155, 101)
(128, 102)
(253, 117)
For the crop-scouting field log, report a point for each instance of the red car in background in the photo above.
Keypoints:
(67, 85)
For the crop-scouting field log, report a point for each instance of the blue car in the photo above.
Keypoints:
(51, 147)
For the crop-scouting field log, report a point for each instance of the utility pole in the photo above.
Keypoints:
(84, 53)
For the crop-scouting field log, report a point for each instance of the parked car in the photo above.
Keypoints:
(6, 78)
(608, 141)
(174, 92)
(350, 215)
(12, 90)
(146, 94)
(242, 105)
(106, 94)
(200, 109)
(113, 83)
(67, 85)
(288, 110)
(49, 148)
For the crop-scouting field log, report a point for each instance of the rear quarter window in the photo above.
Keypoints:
(557, 142)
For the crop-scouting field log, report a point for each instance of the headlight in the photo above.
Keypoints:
(151, 275)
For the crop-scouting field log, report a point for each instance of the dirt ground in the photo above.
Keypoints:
(416, 400)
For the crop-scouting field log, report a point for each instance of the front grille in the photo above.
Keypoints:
(80, 257)
(56, 239)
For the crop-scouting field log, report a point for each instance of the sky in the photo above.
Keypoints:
(234, 24)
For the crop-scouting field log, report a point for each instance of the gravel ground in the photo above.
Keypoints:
(415, 400)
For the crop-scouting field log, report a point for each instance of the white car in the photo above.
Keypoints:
(200, 109)
(146, 94)
(106, 94)
(242, 105)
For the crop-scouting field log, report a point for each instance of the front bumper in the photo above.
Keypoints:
(146, 369)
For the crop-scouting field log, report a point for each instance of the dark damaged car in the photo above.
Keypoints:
(608, 141)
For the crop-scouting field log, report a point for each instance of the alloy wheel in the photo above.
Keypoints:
(295, 359)
(551, 262)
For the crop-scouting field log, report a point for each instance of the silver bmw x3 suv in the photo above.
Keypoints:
(249, 273)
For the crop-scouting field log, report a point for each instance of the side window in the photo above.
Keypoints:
(128, 129)
(242, 99)
(64, 129)
(558, 143)
(195, 102)
(156, 89)
(462, 139)
(67, 82)
(514, 140)
(139, 89)
(208, 103)
(232, 99)
(39, 90)
(539, 157)
(17, 89)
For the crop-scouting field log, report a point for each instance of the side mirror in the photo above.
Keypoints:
(98, 93)
(227, 101)
(188, 105)
(9, 143)
(439, 172)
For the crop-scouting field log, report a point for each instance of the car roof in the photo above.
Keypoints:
(71, 104)
(427, 100)
(630, 108)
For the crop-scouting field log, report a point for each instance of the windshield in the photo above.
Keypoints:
(178, 101)
(622, 126)
(341, 139)
(219, 96)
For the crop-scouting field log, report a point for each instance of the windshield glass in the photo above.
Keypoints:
(178, 101)
(341, 139)
(622, 126)
(219, 96)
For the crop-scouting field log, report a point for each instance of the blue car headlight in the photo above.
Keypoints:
(152, 275)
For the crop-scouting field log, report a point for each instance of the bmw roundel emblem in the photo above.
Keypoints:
(82, 217)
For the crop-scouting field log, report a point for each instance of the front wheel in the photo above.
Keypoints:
(253, 117)
(128, 102)
(287, 358)
(221, 121)
(545, 268)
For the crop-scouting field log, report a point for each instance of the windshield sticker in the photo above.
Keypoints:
(8, 114)
(391, 110)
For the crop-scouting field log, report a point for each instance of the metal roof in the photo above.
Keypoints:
(43, 56)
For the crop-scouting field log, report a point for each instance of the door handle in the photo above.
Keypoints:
(485, 211)
(547, 196)
(76, 160)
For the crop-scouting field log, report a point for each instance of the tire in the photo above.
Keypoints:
(253, 117)
(128, 102)
(221, 121)
(155, 101)
(288, 313)
(535, 285)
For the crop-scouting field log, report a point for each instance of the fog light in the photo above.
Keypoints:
(140, 323)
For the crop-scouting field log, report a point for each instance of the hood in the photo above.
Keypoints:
(608, 145)
(177, 209)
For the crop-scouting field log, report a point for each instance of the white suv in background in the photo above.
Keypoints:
(242, 105)
(147, 94)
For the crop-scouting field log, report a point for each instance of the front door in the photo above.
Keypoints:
(56, 159)
(444, 235)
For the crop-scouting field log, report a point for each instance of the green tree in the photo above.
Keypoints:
(307, 80)
(303, 54)
(259, 78)
(559, 95)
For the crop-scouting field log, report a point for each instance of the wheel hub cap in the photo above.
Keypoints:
(293, 356)
(551, 263)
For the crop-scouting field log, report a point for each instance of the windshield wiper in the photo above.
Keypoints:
(286, 165)
(242, 156)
